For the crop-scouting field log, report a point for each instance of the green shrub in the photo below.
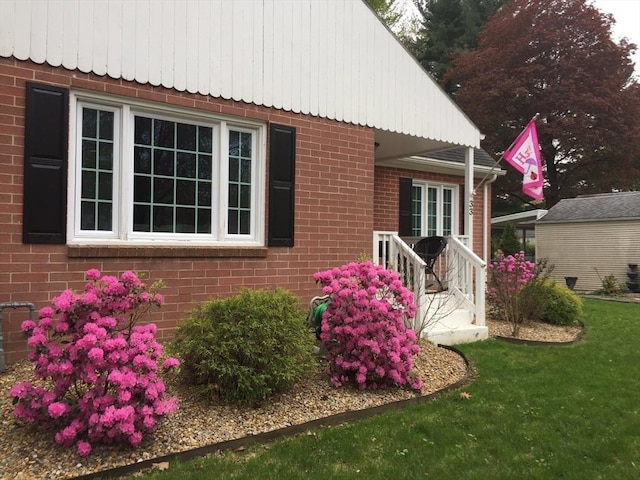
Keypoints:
(509, 243)
(544, 300)
(245, 348)
(611, 286)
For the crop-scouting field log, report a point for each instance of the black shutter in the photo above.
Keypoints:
(404, 203)
(282, 171)
(45, 164)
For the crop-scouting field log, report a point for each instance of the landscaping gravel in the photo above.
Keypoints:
(30, 453)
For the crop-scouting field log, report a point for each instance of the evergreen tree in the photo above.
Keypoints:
(509, 243)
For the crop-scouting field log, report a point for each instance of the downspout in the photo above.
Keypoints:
(486, 220)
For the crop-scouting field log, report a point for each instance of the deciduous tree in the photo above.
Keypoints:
(557, 59)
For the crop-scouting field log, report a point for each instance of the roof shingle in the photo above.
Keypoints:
(603, 206)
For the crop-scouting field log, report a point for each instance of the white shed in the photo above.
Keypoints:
(590, 237)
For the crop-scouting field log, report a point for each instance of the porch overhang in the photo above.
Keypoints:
(423, 164)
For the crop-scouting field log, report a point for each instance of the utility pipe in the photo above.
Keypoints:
(13, 305)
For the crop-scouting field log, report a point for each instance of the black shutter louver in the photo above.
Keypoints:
(282, 160)
(404, 203)
(45, 164)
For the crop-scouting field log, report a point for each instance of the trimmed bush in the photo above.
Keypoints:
(549, 302)
(246, 348)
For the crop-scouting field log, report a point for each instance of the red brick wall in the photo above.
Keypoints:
(333, 212)
(385, 198)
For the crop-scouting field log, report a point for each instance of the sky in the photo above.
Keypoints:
(627, 16)
(625, 12)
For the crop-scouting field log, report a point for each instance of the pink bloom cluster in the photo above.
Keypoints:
(507, 276)
(363, 327)
(102, 366)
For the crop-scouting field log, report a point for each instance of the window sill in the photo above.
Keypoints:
(98, 251)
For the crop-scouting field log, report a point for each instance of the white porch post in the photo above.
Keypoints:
(468, 195)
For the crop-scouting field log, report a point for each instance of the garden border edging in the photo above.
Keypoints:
(264, 437)
(537, 343)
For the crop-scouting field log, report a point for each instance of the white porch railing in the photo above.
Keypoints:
(468, 278)
(461, 271)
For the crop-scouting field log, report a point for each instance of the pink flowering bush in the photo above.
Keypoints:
(101, 366)
(363, 327)
(507, 279)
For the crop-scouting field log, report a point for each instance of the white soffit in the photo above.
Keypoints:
(328, 58)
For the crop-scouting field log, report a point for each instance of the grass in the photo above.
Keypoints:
(570, 412)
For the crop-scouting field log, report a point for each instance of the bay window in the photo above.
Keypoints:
(148, 174)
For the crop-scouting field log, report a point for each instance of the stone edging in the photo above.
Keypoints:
(537, 343)
(240, 443)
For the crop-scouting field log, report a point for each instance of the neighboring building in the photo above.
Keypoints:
(590, 237)
(215, 145)
(524, 223)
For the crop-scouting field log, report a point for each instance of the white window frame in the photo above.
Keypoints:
(455, 207)
(122, 233)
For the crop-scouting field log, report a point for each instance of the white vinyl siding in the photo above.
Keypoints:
(329, 58)
(589, 250)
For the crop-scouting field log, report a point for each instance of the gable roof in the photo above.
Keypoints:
(599, 207)
(331, 59)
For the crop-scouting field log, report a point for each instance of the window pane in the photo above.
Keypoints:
(245, 196)
(142, 218)
(142, 134)
(105, 125)
(447, 211)
(142, 160)
(204, 194)
(432, 211)
(163, 190)
(106, 156)
(105, 186)
(141, 189)
(205, 139)
(204, 220)
(233, 195)
(104, 216)
(163, 133)
(89, 122)
(89, 150)
(186, 193)
(186, 165)
(416, 211)
(204, 167)
(87, 216)
(234, 144)
(88, 185)
(186, 220)
(168, 185)
(240, 186)
(163, 219)
(96, 177)
(163, 162)
(186, 137)
(245, 221)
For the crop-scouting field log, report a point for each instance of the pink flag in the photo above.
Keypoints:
(524, 156)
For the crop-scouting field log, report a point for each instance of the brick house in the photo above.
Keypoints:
(215, 145)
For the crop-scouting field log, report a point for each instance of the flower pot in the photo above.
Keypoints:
(571, 282)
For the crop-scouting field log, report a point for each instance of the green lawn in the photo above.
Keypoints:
(570, 412)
